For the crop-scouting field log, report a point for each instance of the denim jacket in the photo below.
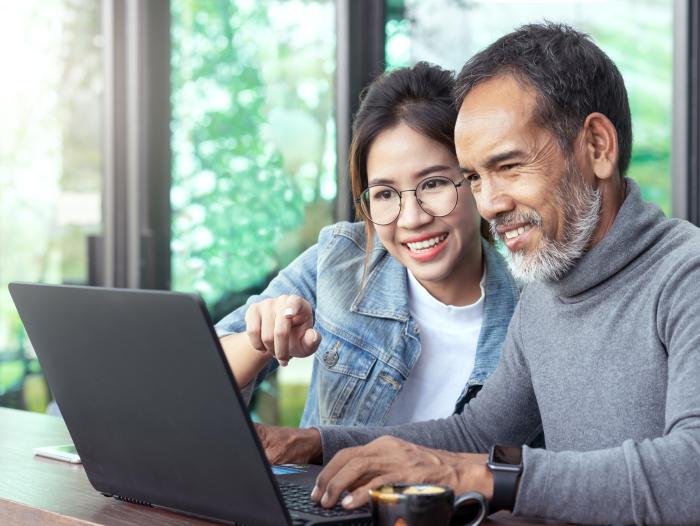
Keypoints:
(369, 340)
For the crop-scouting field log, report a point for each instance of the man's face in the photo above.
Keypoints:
(533, 195)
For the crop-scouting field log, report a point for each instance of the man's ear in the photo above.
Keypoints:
(599, 139)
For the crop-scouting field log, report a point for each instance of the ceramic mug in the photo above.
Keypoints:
(425, 505)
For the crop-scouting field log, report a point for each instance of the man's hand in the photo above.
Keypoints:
(287, 445)
(389, 460)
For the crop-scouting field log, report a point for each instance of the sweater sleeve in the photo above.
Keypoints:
(505, 412)
(651, 481)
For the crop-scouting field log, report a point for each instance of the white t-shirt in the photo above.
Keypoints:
(448, 337)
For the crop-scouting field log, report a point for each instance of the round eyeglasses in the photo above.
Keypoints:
(437, 196)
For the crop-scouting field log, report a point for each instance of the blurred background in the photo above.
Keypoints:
(200, 145)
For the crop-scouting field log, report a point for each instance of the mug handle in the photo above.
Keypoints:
(470, 509)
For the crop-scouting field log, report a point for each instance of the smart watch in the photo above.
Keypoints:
(506, 465)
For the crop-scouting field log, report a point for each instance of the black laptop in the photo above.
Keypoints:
(154, 410)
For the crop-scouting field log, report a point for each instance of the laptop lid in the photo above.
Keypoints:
(149, 400)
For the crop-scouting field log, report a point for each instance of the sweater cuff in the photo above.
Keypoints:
(534, 483)
(331, 441)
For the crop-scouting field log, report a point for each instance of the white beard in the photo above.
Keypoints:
(551, 259)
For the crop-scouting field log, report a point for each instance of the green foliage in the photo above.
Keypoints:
(647, 67)
(50, 164)
(253, 139)
(291, 403)
(253, 143)
(232, 201)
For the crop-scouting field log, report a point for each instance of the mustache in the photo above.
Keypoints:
(514, 218)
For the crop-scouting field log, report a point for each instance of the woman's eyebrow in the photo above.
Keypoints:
(432, 169)
(418, 175)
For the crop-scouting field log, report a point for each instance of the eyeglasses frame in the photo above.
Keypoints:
(358, 200)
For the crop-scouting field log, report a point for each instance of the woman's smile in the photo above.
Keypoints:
(426, 247)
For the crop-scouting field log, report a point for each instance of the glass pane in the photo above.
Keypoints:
(637, 35)
(50, 164)
(253, 144)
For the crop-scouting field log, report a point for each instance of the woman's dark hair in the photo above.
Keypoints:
(420, 97)
(570, 74)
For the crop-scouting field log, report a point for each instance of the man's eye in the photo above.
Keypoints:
(472, 178)
(511, 166)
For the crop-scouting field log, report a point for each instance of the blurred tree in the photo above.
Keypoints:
(50, 165)
(253, 143)
(232, 201)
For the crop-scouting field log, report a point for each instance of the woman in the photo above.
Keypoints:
(406, 313)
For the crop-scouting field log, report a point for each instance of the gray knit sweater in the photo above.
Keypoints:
(607, 362)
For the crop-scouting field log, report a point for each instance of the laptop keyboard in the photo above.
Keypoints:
(297, 499)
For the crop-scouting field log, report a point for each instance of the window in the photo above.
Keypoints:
(253, 144)
(50, 165)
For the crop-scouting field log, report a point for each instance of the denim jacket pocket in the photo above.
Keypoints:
(342, 374)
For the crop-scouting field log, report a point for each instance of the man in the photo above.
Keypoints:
(603, 352)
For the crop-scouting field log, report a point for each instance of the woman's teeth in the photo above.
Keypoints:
(512, 234)
(426, 244)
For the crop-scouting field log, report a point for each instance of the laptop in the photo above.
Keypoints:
(153, 408)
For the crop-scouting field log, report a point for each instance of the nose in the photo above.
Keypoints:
(492, 200)
(411, 214)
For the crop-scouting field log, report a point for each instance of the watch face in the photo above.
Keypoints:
(512, 456)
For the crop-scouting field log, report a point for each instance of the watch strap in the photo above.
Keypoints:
(505, 486)
(506, 465)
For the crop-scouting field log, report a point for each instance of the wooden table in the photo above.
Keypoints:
(39, 491)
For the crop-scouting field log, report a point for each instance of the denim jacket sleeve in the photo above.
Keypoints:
(298, 278)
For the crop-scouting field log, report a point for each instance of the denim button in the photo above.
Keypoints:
(330, 357)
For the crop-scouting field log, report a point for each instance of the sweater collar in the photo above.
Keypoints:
(636, 227)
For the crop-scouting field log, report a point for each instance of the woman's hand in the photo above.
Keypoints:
(282, 327)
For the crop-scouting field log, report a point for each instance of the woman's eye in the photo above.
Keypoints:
(433, 184)
(472, 178)
(382, 195)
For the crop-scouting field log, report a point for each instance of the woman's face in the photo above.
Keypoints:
(439, 251)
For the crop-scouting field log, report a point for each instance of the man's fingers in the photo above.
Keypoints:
(354, 472)
(330, 470)
(360, 496)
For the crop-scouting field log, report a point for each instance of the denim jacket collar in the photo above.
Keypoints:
(500, 296)
(389, 276)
